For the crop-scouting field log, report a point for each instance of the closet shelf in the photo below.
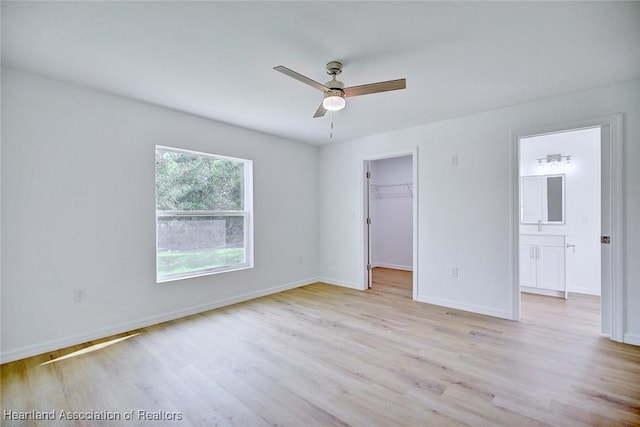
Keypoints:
(381, 191)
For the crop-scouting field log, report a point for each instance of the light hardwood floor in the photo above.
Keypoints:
(325, 355)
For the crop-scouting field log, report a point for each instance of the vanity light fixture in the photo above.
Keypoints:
(553, 161)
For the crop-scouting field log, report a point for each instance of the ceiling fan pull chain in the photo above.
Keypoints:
(331, 118)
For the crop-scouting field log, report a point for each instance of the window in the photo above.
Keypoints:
(203, 214)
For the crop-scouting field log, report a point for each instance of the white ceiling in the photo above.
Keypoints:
(215, 59)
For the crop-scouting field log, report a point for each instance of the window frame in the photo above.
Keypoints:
(247, 213)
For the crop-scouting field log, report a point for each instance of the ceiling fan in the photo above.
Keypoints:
(334, 90)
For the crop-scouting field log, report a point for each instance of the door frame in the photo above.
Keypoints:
(413, 152)
(612, 277)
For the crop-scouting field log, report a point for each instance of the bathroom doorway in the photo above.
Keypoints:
(568, 205)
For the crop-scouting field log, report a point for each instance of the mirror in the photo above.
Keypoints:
(542, 199)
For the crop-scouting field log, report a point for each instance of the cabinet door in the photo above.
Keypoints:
(527, 266)
(550, 271)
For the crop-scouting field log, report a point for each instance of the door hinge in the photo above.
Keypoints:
(368, 175)
(368, 221)
(605, 239)
(368, 267)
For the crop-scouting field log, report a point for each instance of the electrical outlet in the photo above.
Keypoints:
(454, 272)
(79, 295)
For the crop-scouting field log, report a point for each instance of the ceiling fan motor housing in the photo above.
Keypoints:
(334, 92)
(335, 85)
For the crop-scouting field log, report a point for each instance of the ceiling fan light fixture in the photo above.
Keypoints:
(334, 100)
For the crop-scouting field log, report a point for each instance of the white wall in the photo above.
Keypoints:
(392, 213)
(582, 214)
(77, 180)
(466, 211)
(78, 201)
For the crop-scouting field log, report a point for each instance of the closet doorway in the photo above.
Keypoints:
(390, 215)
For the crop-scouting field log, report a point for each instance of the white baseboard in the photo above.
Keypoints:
(633, 339)
(542, 291)
(336, 282)
(393, 266)
(586, 291)
(473, 308)
(56, 344)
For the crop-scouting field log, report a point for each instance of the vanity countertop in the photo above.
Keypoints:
(543, 233)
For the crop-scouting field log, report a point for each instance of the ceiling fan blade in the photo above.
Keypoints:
(300, 77)
(321, 111)
(375, 87)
